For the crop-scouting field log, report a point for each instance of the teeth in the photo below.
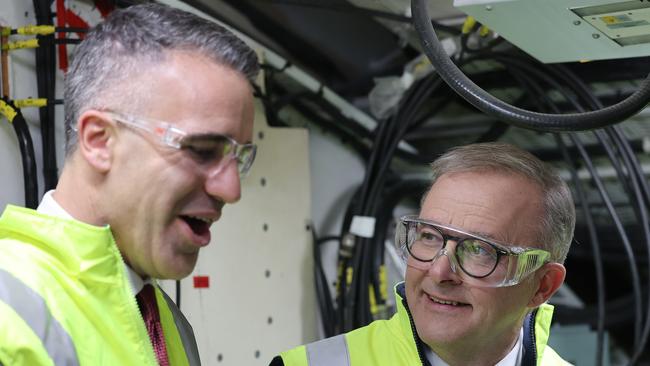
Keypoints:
(206, 220)
(454, 303)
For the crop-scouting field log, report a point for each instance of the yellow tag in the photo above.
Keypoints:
(610, 19)
(5, 31)
(7, 111)
(22, 103)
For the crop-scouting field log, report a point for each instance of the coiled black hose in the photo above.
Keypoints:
(492, 106)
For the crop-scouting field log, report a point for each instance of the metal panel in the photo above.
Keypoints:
(551, 32)
(260, 300)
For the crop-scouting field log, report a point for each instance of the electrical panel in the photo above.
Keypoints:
(563, 31)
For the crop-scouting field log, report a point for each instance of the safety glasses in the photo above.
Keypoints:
(482, 262)
(210, 149)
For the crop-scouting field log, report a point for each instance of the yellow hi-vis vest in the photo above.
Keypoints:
(65, 299)
(394, 342)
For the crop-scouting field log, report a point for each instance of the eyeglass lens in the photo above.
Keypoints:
(476, 257)
(218, 149)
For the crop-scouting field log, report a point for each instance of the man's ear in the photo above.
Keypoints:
(549, 278)
(96, 135)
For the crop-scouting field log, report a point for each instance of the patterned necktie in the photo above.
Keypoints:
(149, 309)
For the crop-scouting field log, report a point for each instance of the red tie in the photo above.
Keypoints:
(149, 308)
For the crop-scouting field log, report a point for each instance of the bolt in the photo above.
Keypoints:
(577, 22)
(595, 35)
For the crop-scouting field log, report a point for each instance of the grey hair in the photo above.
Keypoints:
(132, 40)
(559, 217)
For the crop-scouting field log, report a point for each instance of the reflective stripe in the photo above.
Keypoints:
(328, 352)
(30, 306)
(185, 331)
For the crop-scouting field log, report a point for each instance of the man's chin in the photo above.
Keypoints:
(180, 268)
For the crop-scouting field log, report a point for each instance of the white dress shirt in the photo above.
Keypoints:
(49, 206)
(513, 358)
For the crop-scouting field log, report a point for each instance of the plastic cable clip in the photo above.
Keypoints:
(31, 102)
(363, 226)
(7, 111)
(32, 30)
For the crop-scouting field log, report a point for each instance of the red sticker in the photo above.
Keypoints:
(201, 281)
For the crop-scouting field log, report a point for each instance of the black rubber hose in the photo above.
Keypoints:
(28, 160)
(519, 117)
(46, 81)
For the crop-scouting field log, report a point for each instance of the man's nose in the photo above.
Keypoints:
(223, 183)
(444, 269)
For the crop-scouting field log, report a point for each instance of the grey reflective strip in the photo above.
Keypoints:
(328, 352)
(30, 306)
(185, 331)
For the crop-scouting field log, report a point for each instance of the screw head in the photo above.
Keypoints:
(577, 22)
(488, 7)
(595, 36)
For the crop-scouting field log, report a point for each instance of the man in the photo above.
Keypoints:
(483, 256)
(159, 114)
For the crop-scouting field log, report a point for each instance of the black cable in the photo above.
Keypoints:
(178, 294)
(600, 276)
(595, 245)
(323, 294)
(67, 41)
(46, 83)
(506, 112)
(30, 179)
(637, 178)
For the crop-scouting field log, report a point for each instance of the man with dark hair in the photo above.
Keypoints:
(159, 115)
(483, 256)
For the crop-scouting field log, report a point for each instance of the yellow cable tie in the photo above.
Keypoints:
(484, 31)
(372, 300)
(468, 24)
(32, 30)
(383, 282)
(28, 43)
(30, 102)
(8, 111)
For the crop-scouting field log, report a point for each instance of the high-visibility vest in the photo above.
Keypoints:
(65, 299)
(394, 342)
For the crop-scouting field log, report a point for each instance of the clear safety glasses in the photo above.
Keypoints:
(482, 261)
(209, 148)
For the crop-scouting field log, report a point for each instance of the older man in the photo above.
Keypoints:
(159, 115)
(483, 256)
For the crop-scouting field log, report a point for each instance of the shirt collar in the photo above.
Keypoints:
(513, 358)
(49, 206)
